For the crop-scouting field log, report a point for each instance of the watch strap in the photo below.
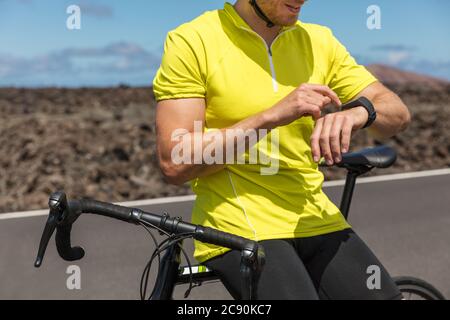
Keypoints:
(366, 104)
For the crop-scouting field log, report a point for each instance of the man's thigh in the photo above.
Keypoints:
(284, 275)
(345, 268)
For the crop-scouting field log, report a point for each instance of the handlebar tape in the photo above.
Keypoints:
(224, 239)
(106, 209)
(63, 245)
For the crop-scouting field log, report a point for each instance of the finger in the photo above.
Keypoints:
(325, 139)
(327, 101)
(326, 91)
(312, 109)
(315, 147)
(335, 138)
(346, 135)
(314, 100)
(317, 98)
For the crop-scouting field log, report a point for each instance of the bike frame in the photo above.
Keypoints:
(170, 263)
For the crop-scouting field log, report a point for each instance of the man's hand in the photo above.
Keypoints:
(306, 100)
(332, 133)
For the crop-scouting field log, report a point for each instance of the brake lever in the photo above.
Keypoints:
(61, 219)
(56, 202)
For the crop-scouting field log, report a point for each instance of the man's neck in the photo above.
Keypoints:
(245, 10)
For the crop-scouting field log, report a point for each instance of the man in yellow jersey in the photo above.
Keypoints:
(253, 72)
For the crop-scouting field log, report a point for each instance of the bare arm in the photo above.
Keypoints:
(173, 115)
(392, 114)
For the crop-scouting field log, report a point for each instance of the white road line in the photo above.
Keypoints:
(23, 214)
(188, 198)
(391, 177)
(137, 203)
(158, 201)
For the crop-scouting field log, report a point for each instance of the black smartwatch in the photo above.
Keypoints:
(363, 102)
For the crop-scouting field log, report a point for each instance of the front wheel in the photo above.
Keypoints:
(417, 289)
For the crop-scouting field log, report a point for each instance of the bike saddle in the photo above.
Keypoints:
(379, 157)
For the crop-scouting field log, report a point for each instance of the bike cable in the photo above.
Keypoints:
(164, 245)
(170, 241)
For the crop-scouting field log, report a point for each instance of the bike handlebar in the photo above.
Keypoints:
(63, 214)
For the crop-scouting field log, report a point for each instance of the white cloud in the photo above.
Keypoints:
(97, 10)
(397, 57)
(121, 61)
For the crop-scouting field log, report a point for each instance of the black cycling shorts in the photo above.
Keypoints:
(334, 266)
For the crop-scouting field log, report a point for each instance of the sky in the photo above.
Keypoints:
(121, 42)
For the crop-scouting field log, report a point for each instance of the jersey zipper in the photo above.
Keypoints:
(269, 52)
(272, 70)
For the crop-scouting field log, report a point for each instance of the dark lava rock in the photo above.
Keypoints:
(100, 143)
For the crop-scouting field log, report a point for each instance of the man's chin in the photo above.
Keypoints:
(288, 22)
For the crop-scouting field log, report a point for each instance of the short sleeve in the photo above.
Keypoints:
(179, 75)
(346, 77)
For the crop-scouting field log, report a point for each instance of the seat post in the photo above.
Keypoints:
(350, 181)
(347, 194)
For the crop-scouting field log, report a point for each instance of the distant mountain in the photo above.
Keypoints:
(394, 76)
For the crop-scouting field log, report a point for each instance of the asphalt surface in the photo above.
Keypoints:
(405, 222)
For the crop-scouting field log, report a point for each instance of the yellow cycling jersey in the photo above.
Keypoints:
(218, 57)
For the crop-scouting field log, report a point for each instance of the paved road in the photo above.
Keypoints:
(405, 222)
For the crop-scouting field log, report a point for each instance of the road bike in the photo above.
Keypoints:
(63, 214)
